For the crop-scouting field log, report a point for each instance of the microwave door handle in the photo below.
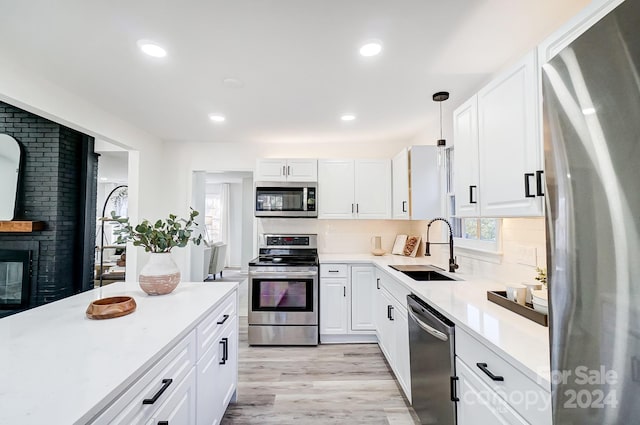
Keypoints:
(304, 198)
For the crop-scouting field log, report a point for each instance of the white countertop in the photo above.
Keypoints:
(520, 341)
(58, 367)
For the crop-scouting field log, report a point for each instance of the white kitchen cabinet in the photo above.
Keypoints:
(217, 375)
(498, 148)
(291, 170)
(416, 190)
(465, 159)
(346, 303)
(392, 327)
(362, 293)
(180, 407)
(479, 404)
(500, 382)
(192, 384)
(352, 189)
(334, 306)
(510, 148)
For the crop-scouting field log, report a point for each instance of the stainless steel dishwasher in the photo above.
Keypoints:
(432, 354)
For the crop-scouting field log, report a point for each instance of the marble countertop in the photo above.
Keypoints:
(523, 343)
(58, 367)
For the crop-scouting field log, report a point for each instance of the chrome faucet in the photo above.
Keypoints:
(452, 260)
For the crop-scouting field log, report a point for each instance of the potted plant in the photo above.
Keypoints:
(161, 274)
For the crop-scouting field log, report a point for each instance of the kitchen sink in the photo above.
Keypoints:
(422, 273)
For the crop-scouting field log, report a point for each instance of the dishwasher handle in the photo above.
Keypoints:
(432, 331)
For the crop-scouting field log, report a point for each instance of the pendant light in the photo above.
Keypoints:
(440, 97)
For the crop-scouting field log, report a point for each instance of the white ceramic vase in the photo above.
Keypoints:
(160, 275)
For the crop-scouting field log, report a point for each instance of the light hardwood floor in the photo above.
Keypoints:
(328, 384)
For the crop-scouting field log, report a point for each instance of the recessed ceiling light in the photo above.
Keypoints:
(152, 49)
(589, 111)
(217, 117)
(348, 117)
(372, 48)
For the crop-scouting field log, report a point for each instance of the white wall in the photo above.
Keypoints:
(235, 224)
(24, 89)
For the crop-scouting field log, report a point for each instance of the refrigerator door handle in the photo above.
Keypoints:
(527, 188)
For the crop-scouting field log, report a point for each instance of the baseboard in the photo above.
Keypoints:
(349, 339)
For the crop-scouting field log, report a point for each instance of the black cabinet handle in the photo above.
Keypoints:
(378, 283)
(156, 396)
(225, 350)
(224, 319)
(483, 367)
(471, 200)
(391, 313)
(163, 423)
(358, 208)
(527, 189)
(539, 191)
(352, 208)
(404, 206)
(454, 392)
(344, 291)
(288, 170)
(284, 173)
(334, 271)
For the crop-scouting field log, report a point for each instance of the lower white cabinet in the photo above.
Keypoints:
(217, 377)
(180, 407)
(346, 303)
(479, 404)
(392, 328)
(491, 387)
(192, 384)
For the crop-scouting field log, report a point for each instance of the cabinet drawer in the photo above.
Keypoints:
(210, 328)
(333, 270)
(396, 289)
(131, 408)
(521, 393)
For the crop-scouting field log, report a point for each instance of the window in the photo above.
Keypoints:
(213, 216)
(473, 233)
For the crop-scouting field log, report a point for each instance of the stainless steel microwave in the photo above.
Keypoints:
(281, 199)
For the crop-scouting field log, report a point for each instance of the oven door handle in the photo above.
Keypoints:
(282, 274)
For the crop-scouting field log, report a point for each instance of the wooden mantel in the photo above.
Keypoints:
(21, 226)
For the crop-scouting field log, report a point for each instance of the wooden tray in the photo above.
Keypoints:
(500, 298)
(108, 308)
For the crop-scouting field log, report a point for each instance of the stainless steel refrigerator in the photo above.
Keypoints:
(592, 160)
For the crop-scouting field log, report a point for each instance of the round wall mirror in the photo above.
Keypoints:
(9, 172)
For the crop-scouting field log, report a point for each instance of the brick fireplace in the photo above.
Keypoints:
(58, 187)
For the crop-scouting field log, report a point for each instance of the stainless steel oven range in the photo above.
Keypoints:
(283, 291)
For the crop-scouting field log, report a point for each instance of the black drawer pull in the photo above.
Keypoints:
(471, 200)
(483, 367)
(404, 206)
(225, 350)
(156, 396)
(527, 188)
(378, 283)
(539, 184)
(163, 423)
(391, 313)
(224, 319)
(334, 271)
(454, 392)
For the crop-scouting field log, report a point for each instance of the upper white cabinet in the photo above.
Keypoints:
(416, 184)
(349, 189)
(498, 148)
(292, 170)
(466, 166)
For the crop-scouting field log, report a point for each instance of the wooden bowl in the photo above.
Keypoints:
(108, 308)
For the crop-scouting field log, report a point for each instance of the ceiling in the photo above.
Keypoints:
(298, 60)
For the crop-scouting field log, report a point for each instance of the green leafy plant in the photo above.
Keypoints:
(542, 275)
(161, 236)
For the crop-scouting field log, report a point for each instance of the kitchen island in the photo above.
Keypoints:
(60, 367)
